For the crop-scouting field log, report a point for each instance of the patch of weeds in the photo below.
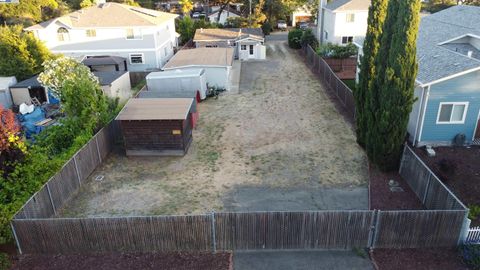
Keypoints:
(5, 262)
(474, 211)
(360, 252)
(208, 150)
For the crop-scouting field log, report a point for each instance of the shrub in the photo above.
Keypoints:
(471, 255)
(5, 262)
(267, 28)
(295, 38)
(447, 166)
(337, 51)
(474, 211)
(308, 38)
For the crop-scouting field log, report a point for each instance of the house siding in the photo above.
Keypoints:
(335, 23)
(465, 88)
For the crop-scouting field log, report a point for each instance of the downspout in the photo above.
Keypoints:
(423, 116)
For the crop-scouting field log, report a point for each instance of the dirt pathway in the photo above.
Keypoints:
(278, 144)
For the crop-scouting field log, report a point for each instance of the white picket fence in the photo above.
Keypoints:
(473, 235)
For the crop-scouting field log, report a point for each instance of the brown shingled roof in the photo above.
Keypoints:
(110, 15)
(156, 109)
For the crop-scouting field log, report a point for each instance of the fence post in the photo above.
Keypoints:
(426, 189)
(371, 233)
(76, 170)
(16, 238)
(51, 200)
(465, 228)
(377, 229)
(98, 149)
(214, 241)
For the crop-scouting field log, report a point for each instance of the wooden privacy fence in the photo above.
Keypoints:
(54, 194)
(37, 231)
(242, 231)
(326, 75)
(426, 185)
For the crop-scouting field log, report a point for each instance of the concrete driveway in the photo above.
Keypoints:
(300, 260)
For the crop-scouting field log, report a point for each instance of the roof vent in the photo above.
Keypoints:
(201, 30)
(436, 56)
(456, 64)
(469, 54)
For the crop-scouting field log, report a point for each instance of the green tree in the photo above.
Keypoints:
(22, 54)
(78, 89)
(86, 3)
(392, 92)
(185, 29)
(294, 38)
(25, 12)
(376, 18)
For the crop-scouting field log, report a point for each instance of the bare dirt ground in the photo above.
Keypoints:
(277, 144)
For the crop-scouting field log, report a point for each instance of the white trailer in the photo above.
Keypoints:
(178, 83)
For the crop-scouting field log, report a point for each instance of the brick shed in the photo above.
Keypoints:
(156, 126)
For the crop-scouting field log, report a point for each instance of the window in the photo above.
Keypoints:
(350, 17)
(136, 58)
(326, 35)
(452, 112)
(91, 33)
(62, 34)
(133, 34)
(346, 40)
(243, 47)
(211, 46)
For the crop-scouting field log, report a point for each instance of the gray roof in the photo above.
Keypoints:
(438, 60)
(348, 5)
(103, 60)
(105, 78)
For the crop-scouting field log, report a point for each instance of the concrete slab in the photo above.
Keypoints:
(252, 198)
(300, 260)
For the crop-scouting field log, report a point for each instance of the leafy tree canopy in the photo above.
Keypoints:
(22, 54)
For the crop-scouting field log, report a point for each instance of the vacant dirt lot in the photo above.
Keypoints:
(278, 144)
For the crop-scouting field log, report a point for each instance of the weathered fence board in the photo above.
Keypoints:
(292, 230)
(166, 233)
(426, 185)
(330, 80)
(63, 184)
(87, 159)
(39, 206)
(418, 229)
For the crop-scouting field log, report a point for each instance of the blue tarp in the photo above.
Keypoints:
(28, 121)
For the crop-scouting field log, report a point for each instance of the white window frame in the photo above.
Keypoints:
(347, 18)
(136, 54)
(464, 116)
(242, 46)
(94, 31)
(135, 32)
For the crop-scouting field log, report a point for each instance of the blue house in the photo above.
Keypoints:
(448, 80)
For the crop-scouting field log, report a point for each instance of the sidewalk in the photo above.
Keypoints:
(300, 260)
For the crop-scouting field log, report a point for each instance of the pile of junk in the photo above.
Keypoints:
(35, 116)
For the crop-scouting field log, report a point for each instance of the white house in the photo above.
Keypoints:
(247, 42)
(5, 96)
(342, 21)
(145, 37)
(226, 13)
(217, 63)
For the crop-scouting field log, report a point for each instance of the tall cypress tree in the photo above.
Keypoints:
(392, 92)
(376, 18)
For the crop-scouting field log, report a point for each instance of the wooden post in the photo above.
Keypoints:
(76, 170)
(214, 242)
(98, 149)
(16, 238)
(51, 199)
